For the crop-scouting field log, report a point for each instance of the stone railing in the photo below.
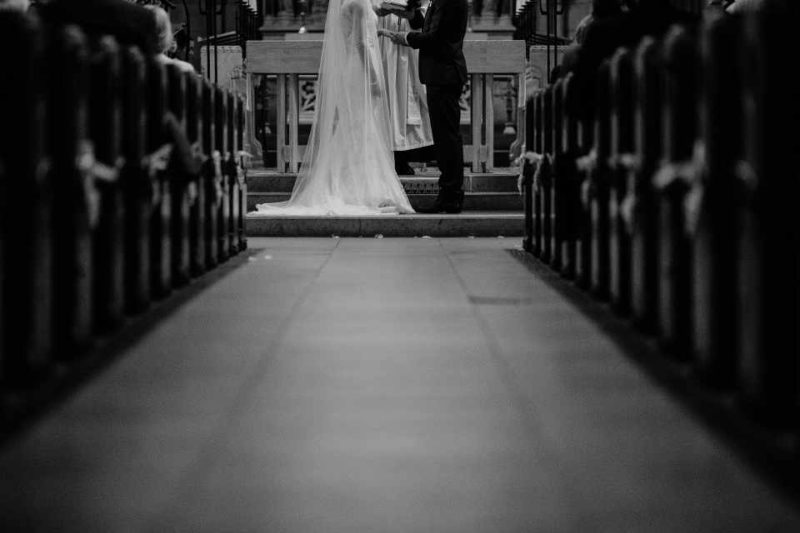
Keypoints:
(281, 16)
(287, 60)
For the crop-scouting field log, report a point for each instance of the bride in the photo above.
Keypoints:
(348, 166)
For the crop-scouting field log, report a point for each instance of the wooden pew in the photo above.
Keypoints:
(160, 223)
(710, 209)
(221, 145)
(641, 213)
(702, 184)
(527, 174)
(211, 175)
(568, 182)
(557, 190)
(544, 176)
(85, 206)
(75, 211)
(599, 185)
(538, 147)
(242, 163)
(105, 129)
(3, 209)
(27, 213)
(768, 222)
(136, 183)
(584, 162)
(622, 164)
(197, 213)
(671, 182)
(231, 175)
(178, 182)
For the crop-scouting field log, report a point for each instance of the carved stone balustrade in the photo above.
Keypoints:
(289, 59)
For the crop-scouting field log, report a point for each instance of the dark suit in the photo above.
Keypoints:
(443, 70)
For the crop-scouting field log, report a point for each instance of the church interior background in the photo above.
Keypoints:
(459, 375)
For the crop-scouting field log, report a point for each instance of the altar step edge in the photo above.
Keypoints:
(473, 201)
(498, 181)
(465, 224)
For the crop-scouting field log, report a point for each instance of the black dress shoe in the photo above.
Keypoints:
(450, 204)
(403, 169)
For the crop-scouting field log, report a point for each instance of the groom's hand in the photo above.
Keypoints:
(395, 36)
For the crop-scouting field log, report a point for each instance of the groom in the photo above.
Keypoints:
(443, 70)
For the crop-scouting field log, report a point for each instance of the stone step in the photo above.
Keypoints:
(473, 201)
(500, 180)
(466, 224)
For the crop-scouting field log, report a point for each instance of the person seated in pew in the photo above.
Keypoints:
(166, 41)
(14, 5)
(603, 37)
(182, 164)
(601, 9)
(744, 6)
(128, 23)
(716, 6)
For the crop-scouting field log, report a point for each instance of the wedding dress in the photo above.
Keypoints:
(348, 165)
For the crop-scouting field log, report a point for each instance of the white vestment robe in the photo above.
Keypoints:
(408, 107)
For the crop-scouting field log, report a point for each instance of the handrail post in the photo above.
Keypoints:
(280, 127)
(475, 112)
(294, 130)
(251, 144)
(488, 114)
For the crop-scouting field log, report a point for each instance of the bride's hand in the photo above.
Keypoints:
(395, 36)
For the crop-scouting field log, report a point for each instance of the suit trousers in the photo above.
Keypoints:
(445, 117)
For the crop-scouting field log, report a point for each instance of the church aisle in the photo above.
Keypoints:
(378, 385)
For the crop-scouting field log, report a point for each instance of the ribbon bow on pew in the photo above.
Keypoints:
(630, 164)
(542, 171)
(184, 163)
(95, 172)
(529, 163)
(155, 163)
(691, 174)
(244, 159)
(200, 158)
(587, 164)
(217, 191)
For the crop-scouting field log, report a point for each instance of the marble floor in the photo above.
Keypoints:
(378, 385)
